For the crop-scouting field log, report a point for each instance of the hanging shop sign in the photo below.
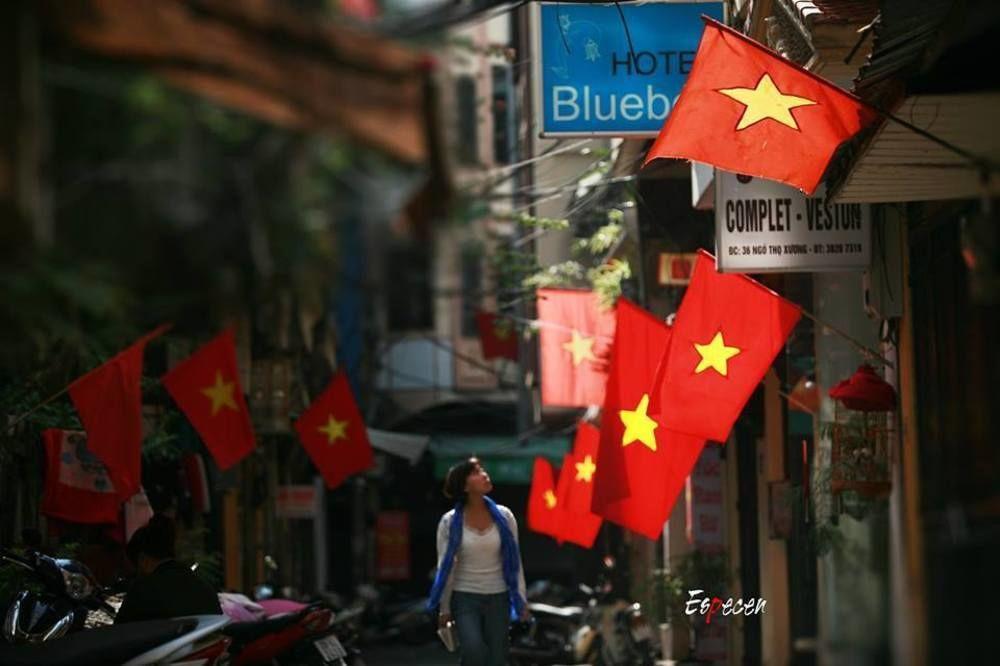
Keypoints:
(296, 501)
(590, 82)
(762, 226)
(392, 546)
(675, 269)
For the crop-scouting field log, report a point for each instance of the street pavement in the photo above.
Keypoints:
(429, 654)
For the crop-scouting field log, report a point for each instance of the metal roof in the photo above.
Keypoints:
(900, 165)
(892, 163)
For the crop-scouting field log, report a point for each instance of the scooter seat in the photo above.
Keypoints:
(247, 632)
(560, 611)
(114, 644)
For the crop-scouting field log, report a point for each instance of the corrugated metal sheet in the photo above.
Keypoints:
(904, 32)
(860, 11)
(900, 165)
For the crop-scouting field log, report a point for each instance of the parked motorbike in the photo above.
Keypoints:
(284, 631)
(596, 627)
(625, 637)
(47, 626)
(405, 620)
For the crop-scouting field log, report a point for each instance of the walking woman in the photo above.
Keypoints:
(480, 580)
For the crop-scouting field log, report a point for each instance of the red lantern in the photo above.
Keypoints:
(865, 391)
(862, 435)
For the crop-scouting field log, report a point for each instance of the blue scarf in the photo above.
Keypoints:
(509, 553)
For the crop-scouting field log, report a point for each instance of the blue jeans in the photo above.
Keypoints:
(482, 621)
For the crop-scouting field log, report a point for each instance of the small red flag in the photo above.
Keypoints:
(334, 434)
(77, 486)
(727, 332)
(109, 402)
(206, 386)
(497, 336)
(585, 452)
(574, 338)
(542, 500)
(578, 524)
(643, 465)
(746, 109)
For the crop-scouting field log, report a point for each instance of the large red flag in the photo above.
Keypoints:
(109, 402)
(746, 109)
(727, 332)
(497, 335)
(574, 338)
(643, 464)
(334, 434)
(206, 386)
(542, 501)
(77, 486)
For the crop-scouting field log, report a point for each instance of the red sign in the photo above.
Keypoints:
(675, 269)
(392, 545)
(296, 501)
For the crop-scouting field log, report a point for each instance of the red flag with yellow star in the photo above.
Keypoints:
(727, 332)
(109, 402)
(334, 434)
(497, 335)
(643, 464)
(543, 505)
(577, 524)
(206, 387)
(746, 109)
(572, 526)
(575, 334)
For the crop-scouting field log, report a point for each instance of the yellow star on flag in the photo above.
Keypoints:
(766, 101)
(715, 355)
(334, 430)
(585, 470)
(580, 347)
(221, 394)
(638, 426)
(550, 499)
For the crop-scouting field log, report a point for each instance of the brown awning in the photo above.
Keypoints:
(265, 59)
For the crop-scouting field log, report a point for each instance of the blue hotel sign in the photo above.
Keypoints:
(590, 82)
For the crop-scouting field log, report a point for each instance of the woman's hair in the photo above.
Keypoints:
(155, 539)
(454, 481)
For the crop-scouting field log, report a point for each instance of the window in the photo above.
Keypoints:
(408, 288)
(468, 126)
(503, 115)
(472, 284)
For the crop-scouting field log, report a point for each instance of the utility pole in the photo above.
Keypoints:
(525, 177)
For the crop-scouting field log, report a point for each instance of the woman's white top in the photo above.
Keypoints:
(478, 565)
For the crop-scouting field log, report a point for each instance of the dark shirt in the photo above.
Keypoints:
(172, 590)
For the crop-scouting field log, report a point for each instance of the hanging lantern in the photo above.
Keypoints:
(804, 396)
(861, 433)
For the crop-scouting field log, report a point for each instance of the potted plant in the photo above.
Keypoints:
(696, 570)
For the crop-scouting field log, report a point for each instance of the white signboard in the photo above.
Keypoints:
(762, 226)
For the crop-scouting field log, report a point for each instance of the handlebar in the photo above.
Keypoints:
(13, 558)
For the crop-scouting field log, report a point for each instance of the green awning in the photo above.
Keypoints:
(506, 459)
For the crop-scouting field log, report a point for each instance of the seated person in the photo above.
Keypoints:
(164, 588)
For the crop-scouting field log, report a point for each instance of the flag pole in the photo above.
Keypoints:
(158, 331)
(10, 426)
(792, 400)
(867, 351)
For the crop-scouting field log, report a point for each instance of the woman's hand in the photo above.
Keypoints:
(525, 615)
(444, 619)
